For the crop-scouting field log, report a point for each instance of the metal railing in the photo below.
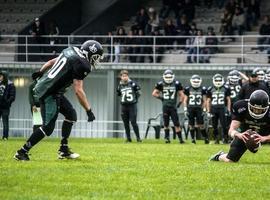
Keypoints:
(142, 49)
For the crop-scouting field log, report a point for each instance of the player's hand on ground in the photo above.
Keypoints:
(91, 116)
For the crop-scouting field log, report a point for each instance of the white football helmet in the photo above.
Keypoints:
(218, 80)
(234, 77)
(168, 76)
(196, 81)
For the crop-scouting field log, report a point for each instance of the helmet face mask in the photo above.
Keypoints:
(260, 73)
(218, 80)
(168, 76)
(196, 81)
(93, 51)
(234, 77)
(258, 104)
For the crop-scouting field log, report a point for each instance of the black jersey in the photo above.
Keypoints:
(248, 88)
(71, 64)
(169, 92)
(218, 96)
(129, 92)
(235, 89)
(195, 96)
(240, 113)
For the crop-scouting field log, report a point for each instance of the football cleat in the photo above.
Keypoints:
(21, 156)
(65, 152)
(167, 141)
(215, 157)
(193, 141)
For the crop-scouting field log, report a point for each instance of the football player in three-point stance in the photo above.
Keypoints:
(218, 98)
(249, 114)
(194, 106)
(129, 92)
(55, 76)
(168, 90)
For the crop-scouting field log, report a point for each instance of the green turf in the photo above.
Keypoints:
(110, 169)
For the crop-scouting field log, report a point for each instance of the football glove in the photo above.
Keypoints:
(91, 116)
(37, 75)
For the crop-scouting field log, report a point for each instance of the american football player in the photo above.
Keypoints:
(218, 97)
(194, 106)
(168, 90)
(250, 114)
(55, 76)
(129, 91)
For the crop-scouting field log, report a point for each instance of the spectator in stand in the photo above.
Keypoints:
(158, 49)
(153, 22)
(264, 31)
(192, 32)
(230, 6)
(37, 31)
(220, 3)
(170, 30)
(130, 41)
(142, 41)
(226, 23)
(238, 21)
(210, 40)
(183, 29)
(252, 13)
(142, 19)
(53, 32)
(118, 42)
(189, 10)
(198, 47)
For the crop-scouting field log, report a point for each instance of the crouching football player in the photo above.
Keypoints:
(252, 114)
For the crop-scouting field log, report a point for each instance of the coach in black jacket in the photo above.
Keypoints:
(7, 96)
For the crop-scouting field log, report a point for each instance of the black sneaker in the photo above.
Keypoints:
(5, 138)
(206, 141)
(20, 156)
(128, 141)
(139, 140)
(193, 141)
(216, 141)
(65, 152)
(167, 141)
(215, 157)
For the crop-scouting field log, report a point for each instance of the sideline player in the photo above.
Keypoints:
(55, 76)
(168, 90)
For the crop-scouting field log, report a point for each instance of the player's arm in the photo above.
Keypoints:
(48, 65)
(79, 91)
(229, 103)
(208, 104)
(243, 77)
(204, 104)
(234, 133)
(181, 96)
(156, 93)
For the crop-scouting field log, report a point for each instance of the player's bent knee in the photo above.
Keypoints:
(71, 117)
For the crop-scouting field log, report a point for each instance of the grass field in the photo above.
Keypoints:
(110, 169)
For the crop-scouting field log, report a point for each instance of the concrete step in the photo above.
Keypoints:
(256, 57)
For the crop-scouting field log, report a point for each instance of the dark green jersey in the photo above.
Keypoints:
(235, 89)
(218, 96)
(129, 92)
(195, 96)
(169, 92)
(71, 64)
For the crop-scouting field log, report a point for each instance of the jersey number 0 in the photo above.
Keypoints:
(58, 65)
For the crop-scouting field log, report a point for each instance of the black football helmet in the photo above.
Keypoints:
(258, 104)
(168, 76)
(267, 75)
(93, 51)
(195, 81)
(234, 77)
(260, 73)
(218, 80)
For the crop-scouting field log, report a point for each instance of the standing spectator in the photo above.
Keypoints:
(153, 22)
(170, 5)
(142, 19)
(170, 30)
(37, 31)
(118, 42)
(131, 49)
(189, 10)
(141, 49)
(183, 29)
(238, 21)
(159, 50)
(210, 40)
(129, 92)
(7, 96)
(264, 31)
(226, 23)
(53, 32)
(230, 6)
(198, 46)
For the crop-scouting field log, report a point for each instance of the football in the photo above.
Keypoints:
(251, 145)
